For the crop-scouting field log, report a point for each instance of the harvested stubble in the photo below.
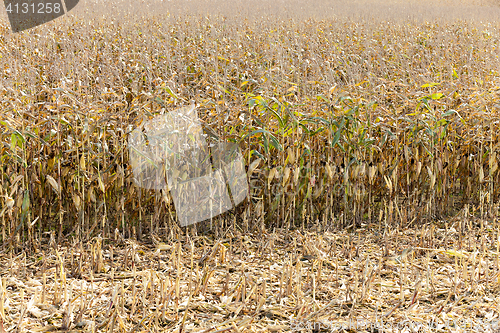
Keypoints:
(442, 276)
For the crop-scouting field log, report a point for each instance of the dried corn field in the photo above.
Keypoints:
(372, 150)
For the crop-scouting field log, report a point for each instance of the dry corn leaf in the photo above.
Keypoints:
(54, 184)
(82, 162)
(329, 171)
(253, 166)
(296, 175)
(272, 172)
(291, 155)
(101, 184)
(286, 176)
(77, 201)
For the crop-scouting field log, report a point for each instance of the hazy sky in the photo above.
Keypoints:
(386, 10)
(381, 9)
